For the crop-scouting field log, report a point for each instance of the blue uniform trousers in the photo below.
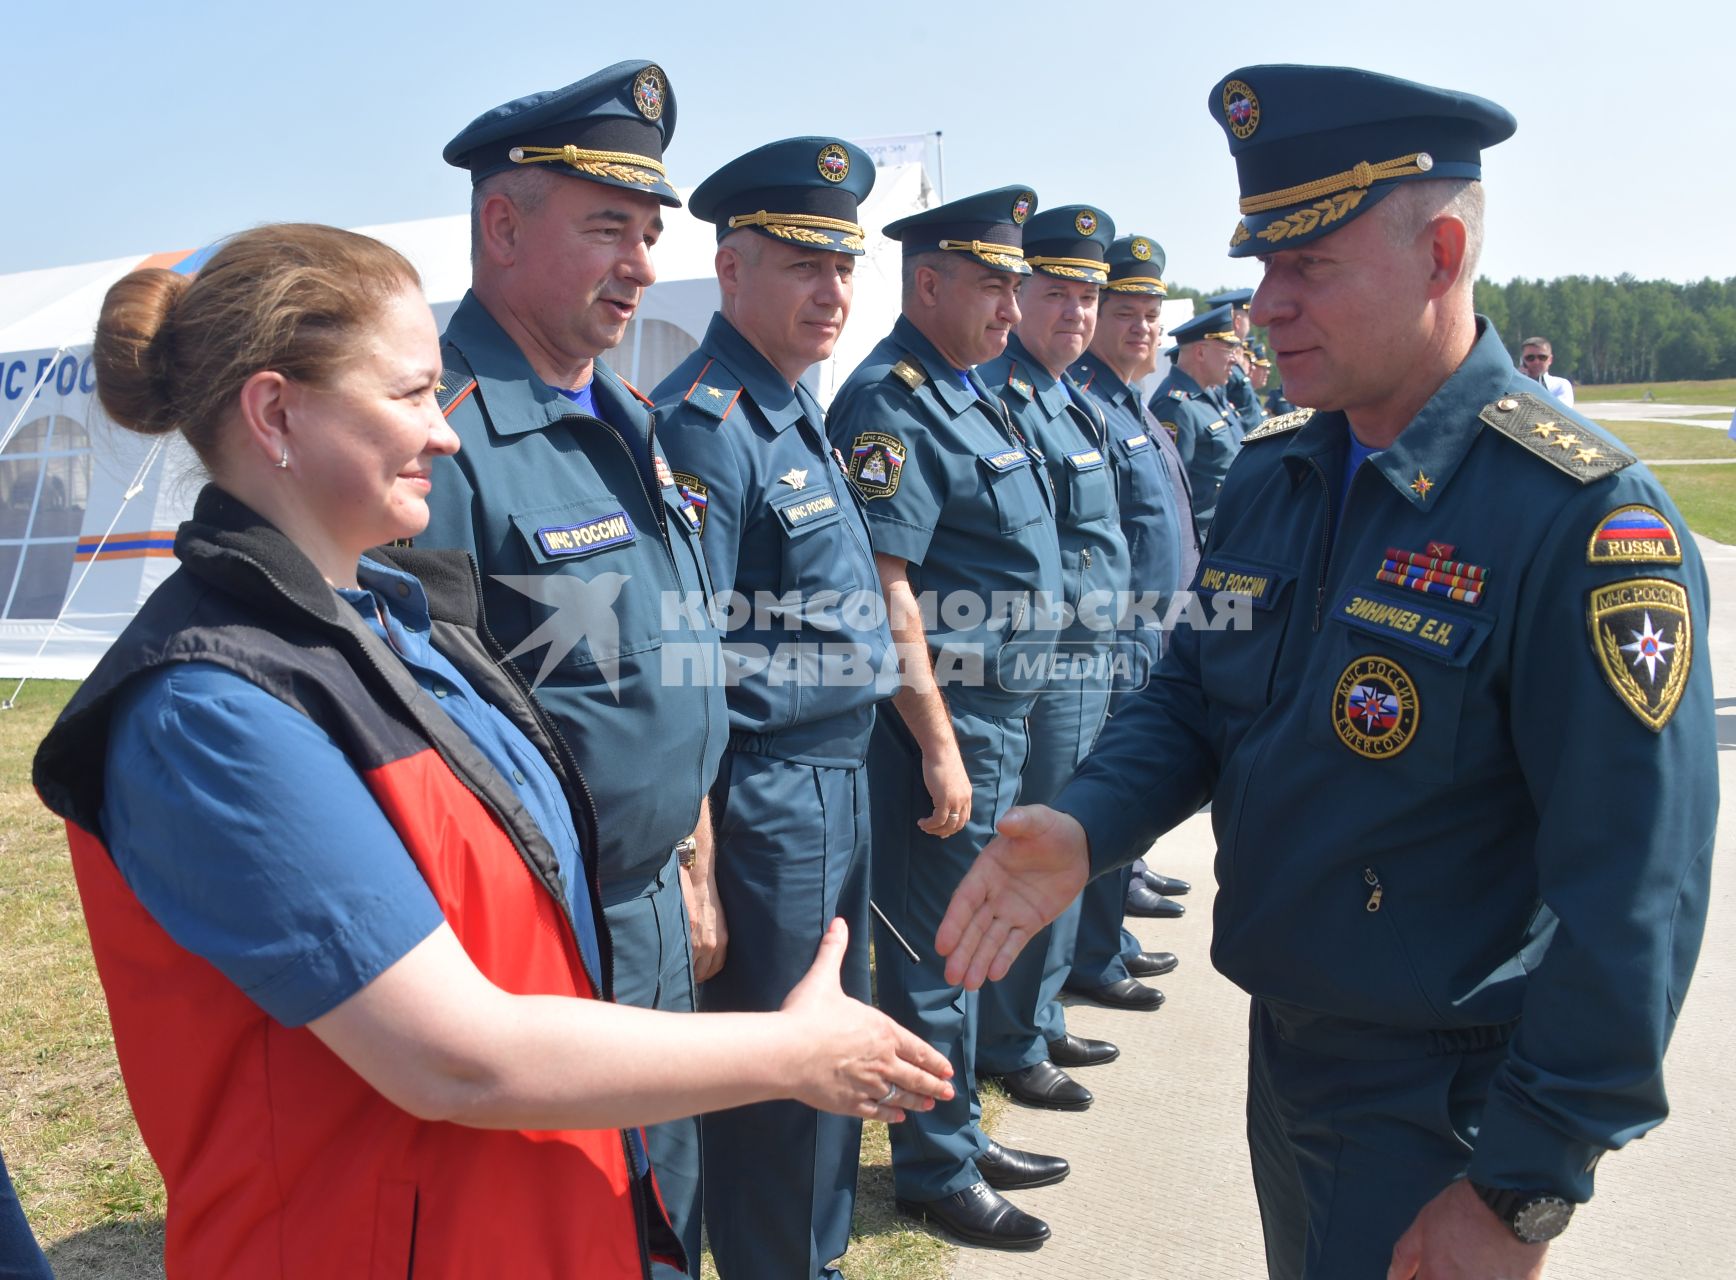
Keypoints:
(1022, 1012)
(914, 875)
(654, 970)
(792, 853)
(20, 1257)
(1352, 1129)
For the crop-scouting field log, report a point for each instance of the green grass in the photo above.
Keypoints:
(1717, 391)
(88, 1185)
(1666, 440)
(1707, 498)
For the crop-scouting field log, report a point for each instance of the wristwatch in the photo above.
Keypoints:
(1536, 1217)
(686, 851)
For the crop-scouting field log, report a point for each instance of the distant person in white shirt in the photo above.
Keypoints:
(1535, 355)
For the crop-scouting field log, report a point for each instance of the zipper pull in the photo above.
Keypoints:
(1373, 881)
(1086, 557)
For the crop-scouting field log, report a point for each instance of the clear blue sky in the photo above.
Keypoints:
(131, 128)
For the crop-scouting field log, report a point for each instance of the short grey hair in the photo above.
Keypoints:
(526, 188)
(939, 259)
(1413, 205)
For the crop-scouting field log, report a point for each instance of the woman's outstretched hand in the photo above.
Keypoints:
(856, 1061)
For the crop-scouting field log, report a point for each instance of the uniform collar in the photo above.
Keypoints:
(393, 590)
(518, 399)
(1180, 380)
(1427, 453)
(942, 377)
(1095, 375)
(1046, 389)
(775, 399)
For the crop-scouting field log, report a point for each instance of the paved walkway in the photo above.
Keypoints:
(1715, 416)
(1160, 1186)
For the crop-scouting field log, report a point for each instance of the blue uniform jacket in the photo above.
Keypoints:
(593, 580)
(1205, 432)
(783, 530)
(1070, 431)
(1440, 812)
(1156, 511)
(1242, 397)
(951, 488)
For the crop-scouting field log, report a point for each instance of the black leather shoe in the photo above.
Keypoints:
(1007, 1170)
(1148, 964)
(1169, 886)
(980, 1215)
(1076, 1051)
(1043, 1084)
(1141, 901)
(1129, 993)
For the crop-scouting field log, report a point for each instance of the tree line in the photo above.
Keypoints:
(1620, 330)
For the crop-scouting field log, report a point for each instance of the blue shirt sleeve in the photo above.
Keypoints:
(248, 835)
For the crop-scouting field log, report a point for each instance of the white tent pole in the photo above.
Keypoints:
(133, 491)
(30, 399)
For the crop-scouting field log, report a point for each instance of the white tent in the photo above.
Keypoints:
(88, 511)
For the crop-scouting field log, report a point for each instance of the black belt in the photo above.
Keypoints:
(1374, 1042)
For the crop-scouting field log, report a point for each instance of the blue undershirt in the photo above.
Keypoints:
(582, 397)
(250, 837)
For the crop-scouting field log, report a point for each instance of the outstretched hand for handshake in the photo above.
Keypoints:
(1022, 880)
(857, 1061)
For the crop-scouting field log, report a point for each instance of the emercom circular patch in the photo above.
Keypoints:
(1375, 708)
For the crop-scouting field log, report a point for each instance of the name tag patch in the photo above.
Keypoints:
(797, 515)
(1262, 586)
(1087, 460)
(1135, 443)
(582, 539)
(1005, 460)
(1441, 636)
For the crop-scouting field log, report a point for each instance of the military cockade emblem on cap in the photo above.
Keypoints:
(833, 162)
(1241, 109)
(1022, 207)
(1141, 248)
(1374, 708)
(1085, 223)
(650, 90)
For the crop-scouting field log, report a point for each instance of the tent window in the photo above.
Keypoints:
(44, 488)
(652, 349)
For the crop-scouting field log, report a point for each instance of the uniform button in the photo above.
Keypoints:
(1506, 406)
(403, 589)
(440, 691)
(518, 776)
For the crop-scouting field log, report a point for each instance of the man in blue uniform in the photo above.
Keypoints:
(783, 535)
(1241, 390)
(1023, 1028)
(962, 518)
(1157, 517)
(589, 552)
(1205, 432)
(1461, 757)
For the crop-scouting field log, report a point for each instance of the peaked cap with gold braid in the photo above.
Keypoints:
(610, 127)
(800, 191)
(1318, 146)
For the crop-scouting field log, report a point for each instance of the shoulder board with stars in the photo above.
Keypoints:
(456, 382)
(1563, 442)
(1176, 393)
(910, 373)
(1018, 384)
(713, 396)
(1284, 422)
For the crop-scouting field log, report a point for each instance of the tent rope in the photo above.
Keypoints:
(132, 491)
(18, 418)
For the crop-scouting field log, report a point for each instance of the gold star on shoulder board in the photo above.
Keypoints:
(795, 477)
(714, 392)
(1421, 485)
(1544, 429)
(1565, 441)
(1587, 455)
